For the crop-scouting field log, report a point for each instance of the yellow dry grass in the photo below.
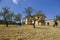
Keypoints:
(27, 32)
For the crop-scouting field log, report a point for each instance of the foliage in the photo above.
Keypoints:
(4, 13)
(39, 13)
(7, 15)
(58, 17)
(18, 17)
(28, 11)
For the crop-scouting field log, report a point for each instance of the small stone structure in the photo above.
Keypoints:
(51, 22)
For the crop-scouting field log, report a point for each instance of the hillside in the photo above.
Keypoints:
(29, 33)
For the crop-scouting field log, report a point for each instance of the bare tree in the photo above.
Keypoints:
(58, 17)
(28, 11)
(4, 14)
(18, 18)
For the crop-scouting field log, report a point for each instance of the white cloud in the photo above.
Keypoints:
(15, 1)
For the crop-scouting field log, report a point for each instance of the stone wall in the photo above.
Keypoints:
(51, 22)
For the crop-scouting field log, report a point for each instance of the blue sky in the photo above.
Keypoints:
(50, 8)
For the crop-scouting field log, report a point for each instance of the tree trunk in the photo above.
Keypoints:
(20, 22)
(6, 21)
(34, 24)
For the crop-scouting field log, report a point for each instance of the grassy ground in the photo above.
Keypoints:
(27, 32)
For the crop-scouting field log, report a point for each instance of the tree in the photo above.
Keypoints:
(28, 11)
(40, 17)
(4, 13)
(7, 15)
(34, 21)
(58, 17)
(40, 14)
(11, 15)
(18, 18)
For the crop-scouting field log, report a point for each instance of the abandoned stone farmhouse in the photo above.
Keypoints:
(28, 20)
(51, 22)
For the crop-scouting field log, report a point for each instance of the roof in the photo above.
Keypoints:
(49, 19)
(28, 17)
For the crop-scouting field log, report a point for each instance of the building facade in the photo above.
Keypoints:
(51, 22)
(30, 20)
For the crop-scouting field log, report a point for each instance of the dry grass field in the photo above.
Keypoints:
(27, 32)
